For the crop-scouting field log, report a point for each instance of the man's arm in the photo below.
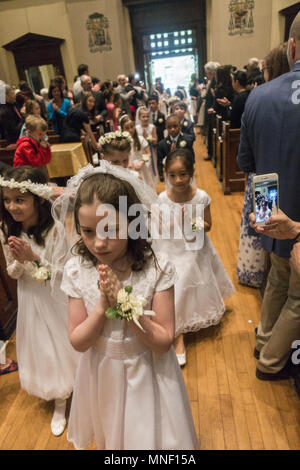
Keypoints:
(245, 158)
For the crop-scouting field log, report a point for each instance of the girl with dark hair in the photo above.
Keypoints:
(202, 281)
(28, 234)
(58, 107)
(223, 89)
(129, 391)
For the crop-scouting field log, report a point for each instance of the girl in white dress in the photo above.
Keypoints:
(129, 392)
(47, 362)
(140, 157)
(148, 130)
(202, 280)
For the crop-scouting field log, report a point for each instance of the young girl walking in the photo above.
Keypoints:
(129, 391)
(47, 362)
(140, 155)
(202, 280)
(148, 131)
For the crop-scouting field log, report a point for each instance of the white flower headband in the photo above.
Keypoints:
(118, 135)
(41, 190)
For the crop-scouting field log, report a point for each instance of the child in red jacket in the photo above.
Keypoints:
(33, 149)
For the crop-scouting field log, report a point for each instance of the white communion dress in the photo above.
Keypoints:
(202, 281)
(47, 362)
(153, 149)
(126, 395)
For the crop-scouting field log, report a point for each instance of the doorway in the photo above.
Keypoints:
(171, 56)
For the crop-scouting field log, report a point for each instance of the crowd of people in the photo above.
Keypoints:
(112, 306)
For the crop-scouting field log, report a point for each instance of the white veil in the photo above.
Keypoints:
(137, 116)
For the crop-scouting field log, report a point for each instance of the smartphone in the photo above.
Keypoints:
(265, 197)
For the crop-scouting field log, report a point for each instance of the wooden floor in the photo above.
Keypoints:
(231, 408)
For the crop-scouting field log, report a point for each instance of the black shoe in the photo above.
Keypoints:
(207, 159)
(297, 384)
(162, 179)
(256, 353)
(255, 331)
(289, 370)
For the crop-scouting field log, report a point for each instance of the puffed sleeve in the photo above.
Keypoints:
(71, 278)
(166, 274)
(204, 198)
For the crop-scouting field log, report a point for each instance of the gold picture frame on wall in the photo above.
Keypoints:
(241, 17)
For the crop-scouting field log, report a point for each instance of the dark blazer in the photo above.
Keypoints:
(160, 125)
(270, 143)
(164, 147)
(187, 127)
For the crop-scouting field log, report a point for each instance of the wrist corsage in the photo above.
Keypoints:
(40, 273)
(197, 224)
(129, 307)
(145, 158)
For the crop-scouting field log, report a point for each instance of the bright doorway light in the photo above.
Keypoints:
(174, 71)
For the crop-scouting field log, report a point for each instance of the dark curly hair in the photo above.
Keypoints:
(107, 189)
(43, 207)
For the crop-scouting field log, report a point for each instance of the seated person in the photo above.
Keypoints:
(175, 139)
(76, 122)
(156, 116)
(11, 119)
(236, 108)
(187, 126)
(33, 149)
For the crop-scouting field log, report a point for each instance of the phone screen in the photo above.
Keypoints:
(266, 200)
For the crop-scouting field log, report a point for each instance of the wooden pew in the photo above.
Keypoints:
(219, 147)
(214, 139)
(53, 139)
(233, 177)
(7, 155)
(3, 143)
(8, 300)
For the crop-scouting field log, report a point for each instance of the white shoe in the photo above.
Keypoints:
(58, 427)
(181, 359)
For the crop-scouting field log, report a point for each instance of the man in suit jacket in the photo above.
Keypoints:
(270, 142)
(11, 120)
(157, 117)
(175, 139)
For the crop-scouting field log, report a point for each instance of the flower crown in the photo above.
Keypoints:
(111, 136)
(41, 190)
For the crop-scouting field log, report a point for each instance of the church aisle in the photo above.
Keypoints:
(231, 408)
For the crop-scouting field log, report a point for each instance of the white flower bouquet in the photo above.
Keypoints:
(197, 224)
(145, 158)
(129, 307)
(40, 273)
(149, 139)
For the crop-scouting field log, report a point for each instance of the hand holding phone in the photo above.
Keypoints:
(265, 197)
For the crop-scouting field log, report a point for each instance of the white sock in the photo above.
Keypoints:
(59, 410)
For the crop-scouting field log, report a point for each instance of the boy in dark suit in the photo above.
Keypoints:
(187, 126)
(175, 139)
(156, 117)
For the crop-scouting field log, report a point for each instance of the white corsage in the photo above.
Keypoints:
(160, 120)
(145, 158)
(164, 161)
(129, 307)
(40, 273)
(197, 224)
(182, 144)
(185, 123)
(149, 139)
